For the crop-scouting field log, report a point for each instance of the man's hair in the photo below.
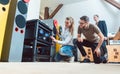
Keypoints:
(85, 18)
(96, 15)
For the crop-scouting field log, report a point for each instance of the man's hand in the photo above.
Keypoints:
(97, 51)
(80, 39)
(105, 38)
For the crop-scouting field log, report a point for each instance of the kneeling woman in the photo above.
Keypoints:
(67, 42)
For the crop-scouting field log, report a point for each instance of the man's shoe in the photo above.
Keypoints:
(104, 60)
(86, 60)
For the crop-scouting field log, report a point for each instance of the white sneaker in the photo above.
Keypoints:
(71, 59)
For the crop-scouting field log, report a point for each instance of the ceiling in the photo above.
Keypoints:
(52, 4)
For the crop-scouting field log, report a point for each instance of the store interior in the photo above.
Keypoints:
(28, 25)
(31, 36)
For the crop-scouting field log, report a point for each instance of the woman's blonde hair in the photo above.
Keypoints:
(71, 28)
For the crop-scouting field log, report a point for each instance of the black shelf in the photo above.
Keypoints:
(35, 42)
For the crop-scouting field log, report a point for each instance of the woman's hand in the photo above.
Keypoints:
(53, 39)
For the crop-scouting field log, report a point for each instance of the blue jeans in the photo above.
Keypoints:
(66, 50)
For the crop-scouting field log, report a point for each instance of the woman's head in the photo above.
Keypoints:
(69, 23)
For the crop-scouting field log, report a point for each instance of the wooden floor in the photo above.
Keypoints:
(58, 68)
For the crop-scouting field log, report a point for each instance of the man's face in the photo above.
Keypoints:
(95, 18)
(82, 23)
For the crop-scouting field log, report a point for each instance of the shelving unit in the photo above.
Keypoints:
(37, 43)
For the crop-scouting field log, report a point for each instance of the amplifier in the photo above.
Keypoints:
(35, 29)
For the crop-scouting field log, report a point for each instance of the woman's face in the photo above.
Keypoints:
(67, 23)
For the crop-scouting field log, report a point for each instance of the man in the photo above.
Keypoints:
(102, 26)
(94, 39)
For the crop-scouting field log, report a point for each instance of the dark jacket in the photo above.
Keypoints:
(102, 26)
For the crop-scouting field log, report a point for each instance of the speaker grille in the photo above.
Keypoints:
(22, 7)
(20, 21)
(4, 2)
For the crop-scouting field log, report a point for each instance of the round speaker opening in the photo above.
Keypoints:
(4, 2)
(21, 31)
(22, 7)
(16, 29)
(20, 21)
(3, 8)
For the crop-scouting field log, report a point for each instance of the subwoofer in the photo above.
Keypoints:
(88, 51)
(113, 53)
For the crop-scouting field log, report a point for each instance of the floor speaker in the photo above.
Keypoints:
(113, 53)
(4, 8)
(88, 51)
(15, 31)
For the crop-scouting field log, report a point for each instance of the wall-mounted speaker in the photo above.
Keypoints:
(15, 31)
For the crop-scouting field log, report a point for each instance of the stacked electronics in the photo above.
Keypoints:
(37, 43)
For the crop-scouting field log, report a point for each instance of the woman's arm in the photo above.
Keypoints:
(65, 42)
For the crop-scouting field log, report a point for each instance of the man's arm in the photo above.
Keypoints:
(97, 50)
(101, 39)
(79, 38)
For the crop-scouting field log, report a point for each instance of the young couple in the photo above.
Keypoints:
(93, 39)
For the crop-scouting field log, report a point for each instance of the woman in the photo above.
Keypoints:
(67, 41)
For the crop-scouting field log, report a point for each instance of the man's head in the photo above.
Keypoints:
(96, 18)
(84, 21)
